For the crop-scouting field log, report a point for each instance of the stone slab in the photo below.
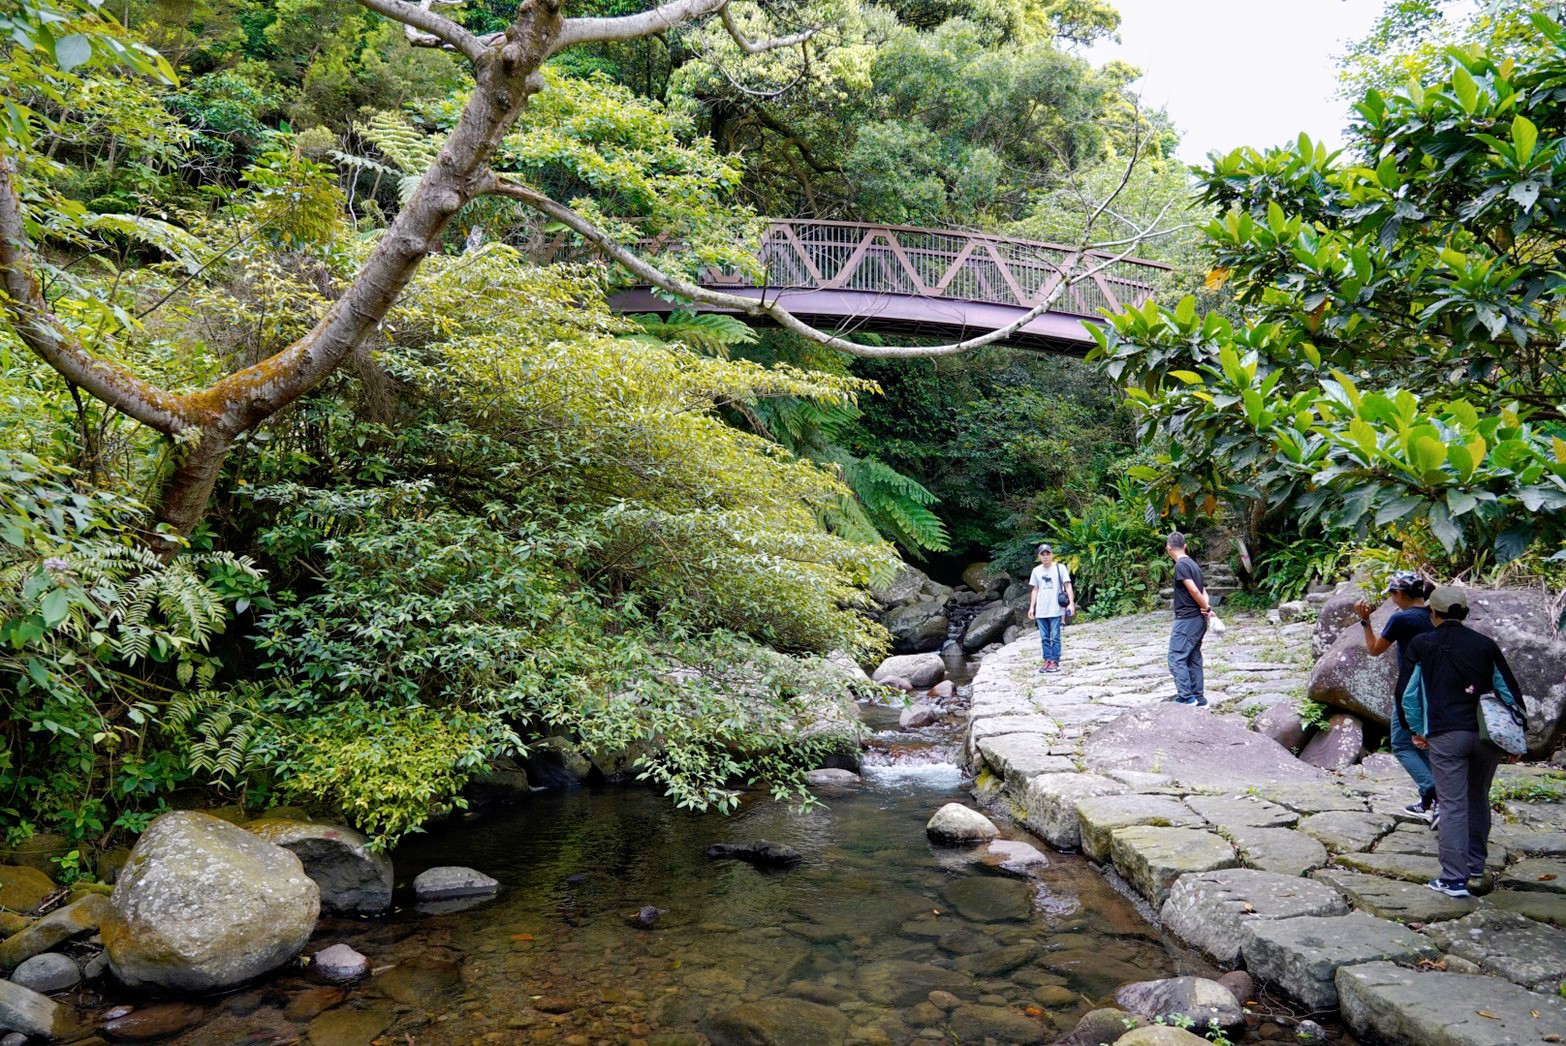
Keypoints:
(1535, 904)
(1312, 799)
(1301, 956)
(1280, 850)
(1531, 841)
(1403, 1007)
(1019, 757)
(1099, 816)
(1049, 803)
(1523, 951)
(1394, 899)
(1408, 867)
(1209, 911)
(1241, 812)
(1152, 858)
(995, 726)
(1194, 747)
(1419, 840)
(1542, 874)
(1343, 831)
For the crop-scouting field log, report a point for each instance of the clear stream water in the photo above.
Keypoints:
(871, 920)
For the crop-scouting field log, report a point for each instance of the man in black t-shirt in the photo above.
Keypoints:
(1191, 609)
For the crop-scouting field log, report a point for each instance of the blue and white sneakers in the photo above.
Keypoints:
(1450, 887)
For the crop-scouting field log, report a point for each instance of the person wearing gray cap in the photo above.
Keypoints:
(1412, 618)
(1051, 602)
(1453, 667)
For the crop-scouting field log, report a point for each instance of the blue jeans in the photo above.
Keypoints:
(1417, 763)
(1185, 657)
(1049, 638)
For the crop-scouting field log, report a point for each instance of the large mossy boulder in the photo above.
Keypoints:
(353, 879)
(918, 626)
(203, 905)
(1521, 621)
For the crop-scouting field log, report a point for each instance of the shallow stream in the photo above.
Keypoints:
(855, 938)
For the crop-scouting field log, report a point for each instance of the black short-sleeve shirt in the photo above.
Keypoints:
(1185, 604)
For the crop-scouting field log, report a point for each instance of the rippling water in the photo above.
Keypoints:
(851, 941)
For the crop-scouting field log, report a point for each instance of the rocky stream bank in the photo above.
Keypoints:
(1303, 871)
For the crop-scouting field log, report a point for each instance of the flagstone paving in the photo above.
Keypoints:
(1210, 824)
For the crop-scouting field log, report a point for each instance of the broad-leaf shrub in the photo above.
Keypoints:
(1402, 353)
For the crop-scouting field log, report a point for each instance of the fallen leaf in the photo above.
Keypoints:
(1546, 878)
(521, 937)
(1034, 1011)
(1486, 1013)
(1249, 908)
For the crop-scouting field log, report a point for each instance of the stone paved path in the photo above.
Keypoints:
(1216, 826)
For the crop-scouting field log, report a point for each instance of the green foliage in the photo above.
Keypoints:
(1114, 554)
(1288, 570)
(1313, 713)
(94, 632)
(1401, 353)
(1544, 788)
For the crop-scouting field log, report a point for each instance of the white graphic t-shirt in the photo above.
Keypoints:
(1049, 580)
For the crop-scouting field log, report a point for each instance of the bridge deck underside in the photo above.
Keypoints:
(846, 312)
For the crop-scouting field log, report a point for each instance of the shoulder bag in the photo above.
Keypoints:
(1503, 725)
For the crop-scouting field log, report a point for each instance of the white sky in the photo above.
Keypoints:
(1240, 72)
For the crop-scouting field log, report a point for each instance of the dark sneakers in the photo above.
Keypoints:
(1195, 702)
(1450, 887)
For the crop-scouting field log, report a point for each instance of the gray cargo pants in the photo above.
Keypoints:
(1463, 766)
(1185, 657)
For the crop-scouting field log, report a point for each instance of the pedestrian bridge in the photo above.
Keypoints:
(896, 280)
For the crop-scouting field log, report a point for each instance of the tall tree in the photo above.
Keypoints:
(507, 70)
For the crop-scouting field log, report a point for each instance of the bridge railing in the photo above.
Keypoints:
(932, 263)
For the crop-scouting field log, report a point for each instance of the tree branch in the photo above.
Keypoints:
(750, 46)
(1072, 274)
(425, 28)
(22, 300)
(678, 12)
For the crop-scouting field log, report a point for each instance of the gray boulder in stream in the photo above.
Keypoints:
(918, 626)
(204, 905)
(354, 880)
(988, 627)
(956, 824)
(760, 853)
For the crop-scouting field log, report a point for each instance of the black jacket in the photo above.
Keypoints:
(1453, 667)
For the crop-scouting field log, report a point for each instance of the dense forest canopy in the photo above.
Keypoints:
(499, 518)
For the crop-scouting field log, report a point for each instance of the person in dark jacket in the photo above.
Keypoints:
(1453, 667)
(1408, 591)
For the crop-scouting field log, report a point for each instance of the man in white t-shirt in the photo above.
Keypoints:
(1048, 581)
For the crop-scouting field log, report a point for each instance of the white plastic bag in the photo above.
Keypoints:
(1215, 625)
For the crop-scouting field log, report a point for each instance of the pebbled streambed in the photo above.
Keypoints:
(846, 946)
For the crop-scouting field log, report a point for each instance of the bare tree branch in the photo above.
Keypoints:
(41, 330)
(1074, 272)
(749, 46)
(575, 31)
(425, 28)
(630, 27)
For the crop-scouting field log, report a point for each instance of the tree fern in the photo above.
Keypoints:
(897, 506)
(707, 333)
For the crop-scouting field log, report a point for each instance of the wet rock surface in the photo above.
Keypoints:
(1210, 911)
(353, 880)
(204, 905)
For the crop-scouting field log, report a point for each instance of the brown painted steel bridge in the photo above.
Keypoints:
(903, 281)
